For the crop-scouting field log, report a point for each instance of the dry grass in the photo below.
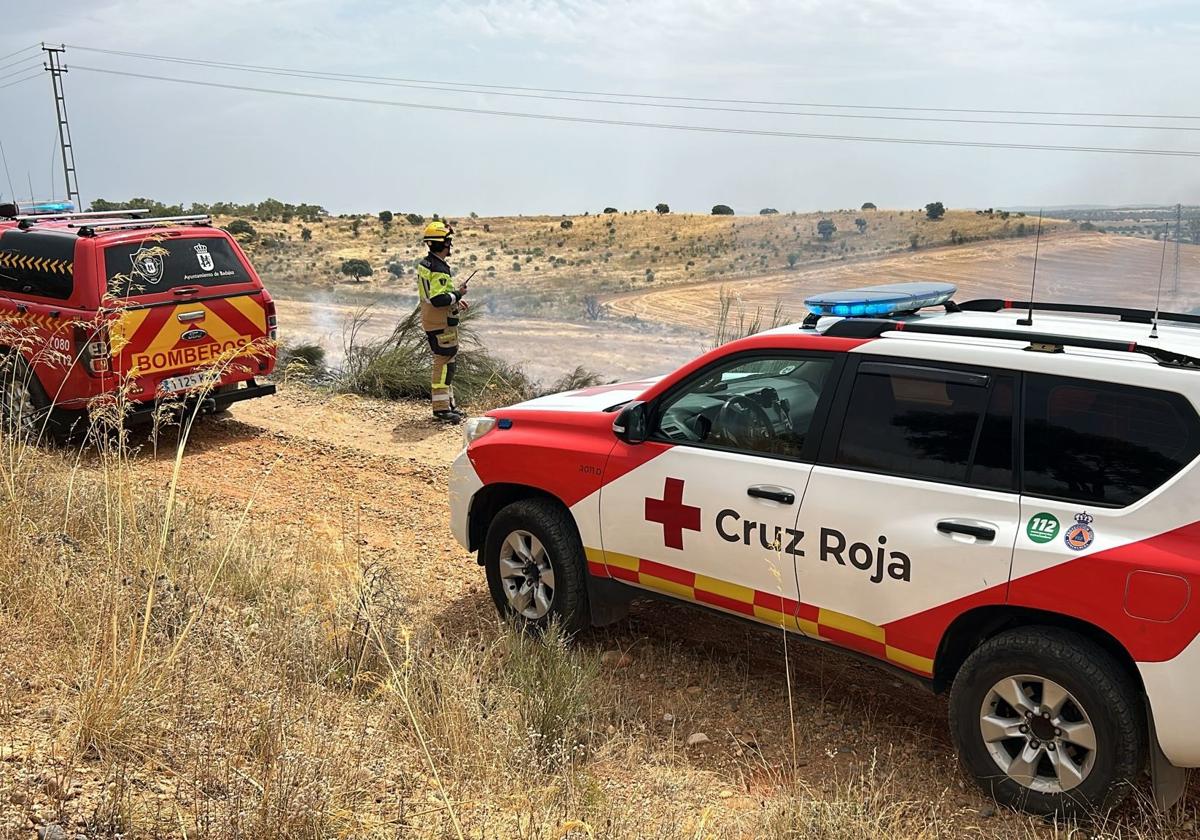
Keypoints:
(175, 667)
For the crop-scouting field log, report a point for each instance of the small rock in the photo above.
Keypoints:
(52, 831)
(616, 659)
(987, 811)
(668, 718)
(18, 798)
(726, 794)
(697, 738)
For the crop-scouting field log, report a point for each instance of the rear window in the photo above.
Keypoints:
(1101, 443)
(161, 264)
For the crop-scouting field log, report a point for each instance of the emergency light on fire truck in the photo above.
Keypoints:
(889, 299)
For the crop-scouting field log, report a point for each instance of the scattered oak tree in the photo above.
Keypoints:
(241, 229)
(768, 211)
(386, 217)
(610, 209)
(661, 208)
(306, 234)
(867, 205)
(826, 229)
(934, 210)
(357, 268)
(861, 224)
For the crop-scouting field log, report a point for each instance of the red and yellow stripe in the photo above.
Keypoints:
(767, 607)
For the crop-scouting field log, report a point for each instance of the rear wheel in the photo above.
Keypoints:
(1048, 722)
(24, 406)
(535, 565)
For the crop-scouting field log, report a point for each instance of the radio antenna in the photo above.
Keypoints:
(1028, 322)
(1161, 267)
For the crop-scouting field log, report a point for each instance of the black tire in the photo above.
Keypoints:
(1099, 686)
(551, 524)
(41, 422)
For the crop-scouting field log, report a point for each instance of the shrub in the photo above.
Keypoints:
(386, 217)
(868, 205)
(610, 209)
(306, 234)
(414, 219)
(768, 211)
(861, 224)
(792, 259)
(242, 229)
(566, 224)
(913, 242)
(662, 207)
(826, 229)
(722, 210)
(305, 360)
(934, 210)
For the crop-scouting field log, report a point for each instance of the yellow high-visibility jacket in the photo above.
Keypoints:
(435, 287)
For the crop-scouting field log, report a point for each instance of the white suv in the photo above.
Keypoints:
(996, 499)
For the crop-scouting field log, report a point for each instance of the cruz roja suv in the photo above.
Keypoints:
(996, 497)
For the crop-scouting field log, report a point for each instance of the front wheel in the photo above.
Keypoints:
(535, 565)
(1048, 722)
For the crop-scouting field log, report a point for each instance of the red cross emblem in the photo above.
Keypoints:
(672, 513)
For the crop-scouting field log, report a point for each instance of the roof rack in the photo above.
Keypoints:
(1136, 316)
(28, 220)
(89, 227)
(1041, 342)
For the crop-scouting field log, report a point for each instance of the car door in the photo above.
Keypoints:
(912, 510)
(705, 509)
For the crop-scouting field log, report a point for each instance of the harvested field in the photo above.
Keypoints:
(1095, 267)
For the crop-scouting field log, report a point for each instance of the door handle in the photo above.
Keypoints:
(770, 491)
(979, 530)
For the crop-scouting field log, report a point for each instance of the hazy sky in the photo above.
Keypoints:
(184, 143)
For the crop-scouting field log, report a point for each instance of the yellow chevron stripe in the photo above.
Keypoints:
(252, 309)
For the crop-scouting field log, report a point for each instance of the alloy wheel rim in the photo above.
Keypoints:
(526, 575)
(19, 408)
(1038, 733)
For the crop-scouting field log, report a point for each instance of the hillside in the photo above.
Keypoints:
(533, 266)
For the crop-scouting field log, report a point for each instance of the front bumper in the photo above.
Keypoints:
(464, 484)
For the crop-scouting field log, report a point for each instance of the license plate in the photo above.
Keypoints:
(175, 384)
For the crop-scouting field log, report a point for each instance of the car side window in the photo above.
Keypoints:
(1102, 443)
(929, 423)
(762, 405)
(37, 264)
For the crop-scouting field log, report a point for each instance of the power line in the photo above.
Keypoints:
(348, 76)
(663, 126)
(478, 89)
(7, 176)
(36, 75)
(18, 52)
(36, 64)
(20, 61)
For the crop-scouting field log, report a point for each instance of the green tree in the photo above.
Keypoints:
(306, 234)
(868, 205)
(768, 211)
(722, 210)
(566, 224)
(792, 259)
(610, 209)
(357, 268)
(934, 210)
(386, 217)
(414, 219)
(826, 229)
(662, 207)
(861, 224)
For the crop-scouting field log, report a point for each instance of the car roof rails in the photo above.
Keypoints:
(1038, 342)
(1136, 316)
(28, 220)
(91, 227)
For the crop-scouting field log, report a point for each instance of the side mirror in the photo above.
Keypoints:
(632, 424)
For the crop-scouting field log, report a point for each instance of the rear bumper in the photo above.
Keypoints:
(209, 403)
(1172, 688)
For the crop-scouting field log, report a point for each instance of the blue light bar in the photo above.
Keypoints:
(879, 301)
(45, 207)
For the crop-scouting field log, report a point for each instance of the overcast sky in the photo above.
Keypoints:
(185, 143)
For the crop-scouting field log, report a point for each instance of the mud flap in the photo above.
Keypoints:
(1167, 781)
(608, 600)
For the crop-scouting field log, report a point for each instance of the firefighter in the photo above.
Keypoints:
(441, 305)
